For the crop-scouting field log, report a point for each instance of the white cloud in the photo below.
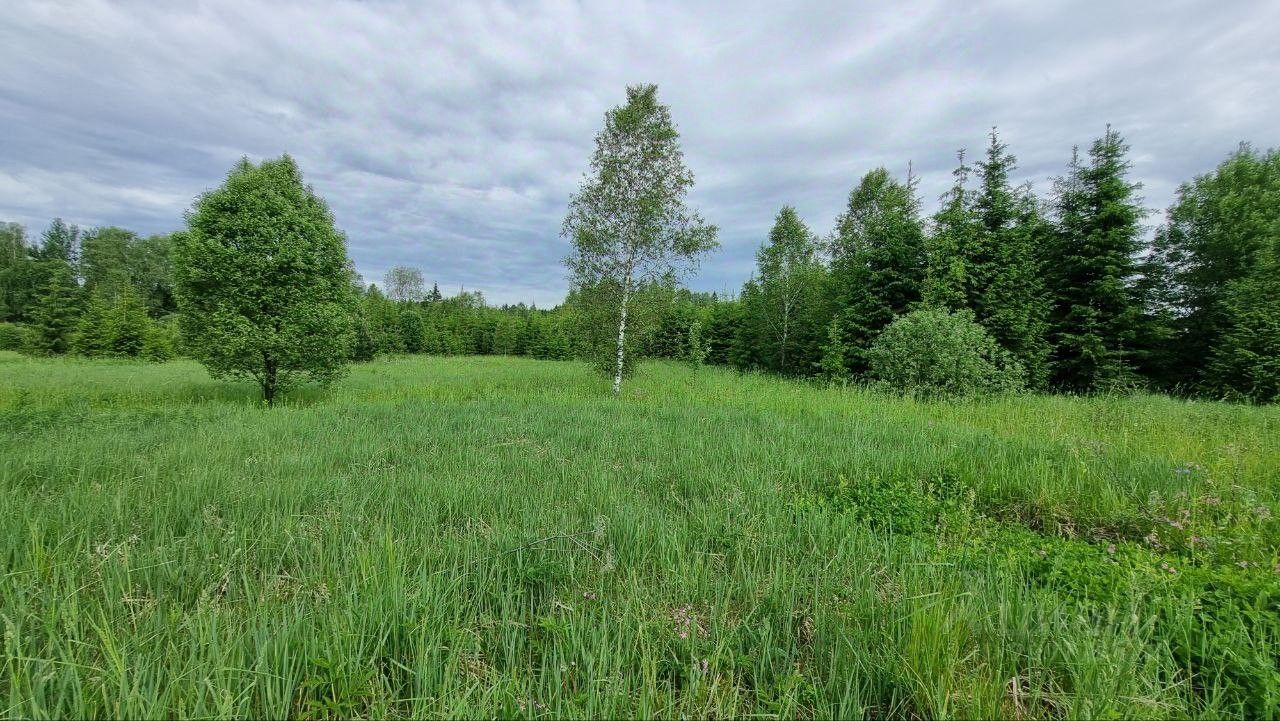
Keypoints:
(450, 136)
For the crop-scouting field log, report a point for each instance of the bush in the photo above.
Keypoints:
(161, 340)
(13, 337)
(936, 354)
(122, 329)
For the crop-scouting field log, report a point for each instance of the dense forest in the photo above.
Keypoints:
(1074, 291)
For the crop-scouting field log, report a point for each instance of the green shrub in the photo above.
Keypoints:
(13, 337)
(936, 354)
(122, 329)
(160, 340)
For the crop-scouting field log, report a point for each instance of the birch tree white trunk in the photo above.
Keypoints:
(622, 336)
(628, 221)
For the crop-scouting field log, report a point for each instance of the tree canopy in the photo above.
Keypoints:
(262, 282)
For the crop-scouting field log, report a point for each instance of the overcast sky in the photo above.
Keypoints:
(449, 137)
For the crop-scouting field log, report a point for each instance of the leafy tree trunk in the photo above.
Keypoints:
(786, 328)
(622, 334)
(628, 222)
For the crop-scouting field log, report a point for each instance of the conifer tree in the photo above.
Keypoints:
(878, 261)
(982, 258)
(90, 337)
(831, 365)
(955, 230)
(127, 326)
(1007, 295)
(60, 242)
(1091, 267)
(57, 309)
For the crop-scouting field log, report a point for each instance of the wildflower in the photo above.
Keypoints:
(1211, 500)
(1262, 512)
(1164, 566)
(1242, 564)
(1111, 549)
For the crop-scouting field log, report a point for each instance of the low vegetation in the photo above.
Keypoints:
(480, 537)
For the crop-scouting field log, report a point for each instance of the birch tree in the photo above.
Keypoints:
(404, 283)
(789, 282)
(628, 222)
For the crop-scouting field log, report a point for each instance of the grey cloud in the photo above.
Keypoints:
(449, 136)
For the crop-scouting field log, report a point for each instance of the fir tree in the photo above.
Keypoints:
(1091, 268)
(57, 309)
(60, 242)
(955, 230)
(1007, 296)
(878, 261)
(127, 326)
(982, 258)
(90, 338)
(831, 366)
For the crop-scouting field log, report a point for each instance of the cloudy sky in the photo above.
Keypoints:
(449, 136)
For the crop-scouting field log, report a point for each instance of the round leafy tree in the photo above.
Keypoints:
(936, 354)
(261, 280)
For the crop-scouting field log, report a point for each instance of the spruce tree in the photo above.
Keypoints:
(60, 242)
(90, 337)
(831, 364)
(878, 261)
(955, 229)
(127, 326)
(1007, 295)
(982, 258)
(57, 309)
(1091, 267)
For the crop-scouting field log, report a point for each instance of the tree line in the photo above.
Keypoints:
(1065, 292)
(1059, 293)
(1069, 285)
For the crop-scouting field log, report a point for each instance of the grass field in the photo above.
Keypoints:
(480, 537)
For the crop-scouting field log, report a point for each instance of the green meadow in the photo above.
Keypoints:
(498, 537)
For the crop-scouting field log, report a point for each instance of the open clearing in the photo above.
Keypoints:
(488, 537)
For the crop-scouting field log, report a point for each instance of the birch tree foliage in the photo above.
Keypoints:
(405, 283)
(628, 222)
(789, 282)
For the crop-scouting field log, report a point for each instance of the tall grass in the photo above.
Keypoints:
(479, 537)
